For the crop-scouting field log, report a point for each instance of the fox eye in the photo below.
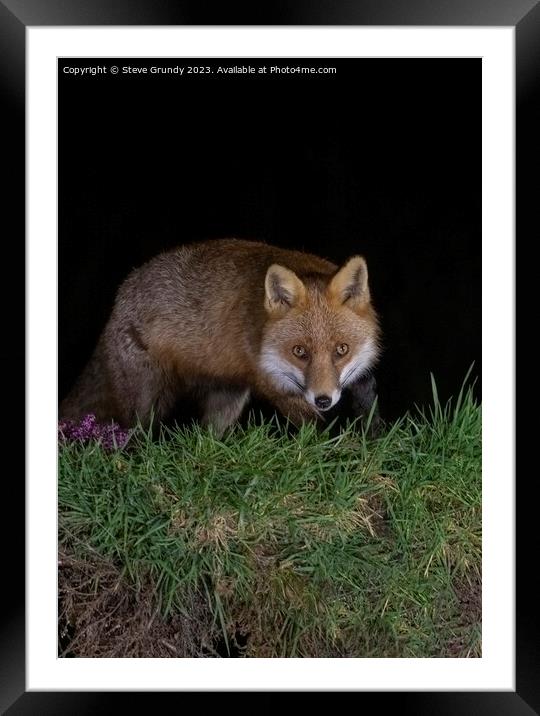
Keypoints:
(299, 351)
(342, 349)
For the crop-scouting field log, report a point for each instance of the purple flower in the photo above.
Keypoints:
(110, 435)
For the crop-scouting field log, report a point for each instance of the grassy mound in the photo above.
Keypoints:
(267, 545)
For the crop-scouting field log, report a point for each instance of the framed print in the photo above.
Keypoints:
(240, 236)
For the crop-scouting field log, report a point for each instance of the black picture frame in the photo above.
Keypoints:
(15, 16)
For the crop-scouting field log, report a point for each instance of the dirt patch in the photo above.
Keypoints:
(469, 594)
(468, 591)
(379, 517)
(101, 616)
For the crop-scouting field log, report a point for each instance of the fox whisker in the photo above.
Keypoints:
(350, 372)
(294, 381)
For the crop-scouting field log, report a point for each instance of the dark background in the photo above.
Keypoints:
(383, 159)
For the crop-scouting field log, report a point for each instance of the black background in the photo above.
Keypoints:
(383, 158)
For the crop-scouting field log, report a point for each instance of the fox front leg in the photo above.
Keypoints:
(363, 394)
(223, 407)
(358, 401)
(293, 407)
(297, 410)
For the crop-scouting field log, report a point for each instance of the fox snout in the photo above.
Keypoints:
(322, 383)
(323, 398)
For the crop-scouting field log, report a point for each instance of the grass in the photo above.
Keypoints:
(267, 545)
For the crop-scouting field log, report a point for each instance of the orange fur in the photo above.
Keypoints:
(221, 319)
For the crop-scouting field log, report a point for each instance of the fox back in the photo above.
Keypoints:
(226, 319)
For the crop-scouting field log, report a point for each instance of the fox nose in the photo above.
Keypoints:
(323, 402)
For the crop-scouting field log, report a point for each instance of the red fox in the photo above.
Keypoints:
(223, 320)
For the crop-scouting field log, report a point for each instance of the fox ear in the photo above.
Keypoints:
(350, 284)
(283, 290)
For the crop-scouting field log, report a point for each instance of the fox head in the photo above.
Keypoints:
(322, 332)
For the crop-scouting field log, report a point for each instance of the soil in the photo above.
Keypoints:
(101, 616)
(469, 596)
